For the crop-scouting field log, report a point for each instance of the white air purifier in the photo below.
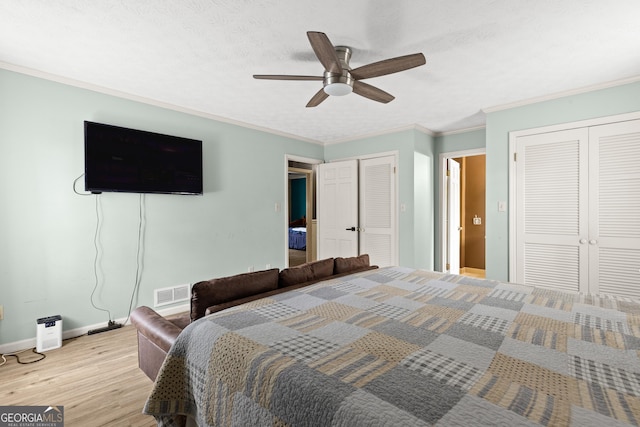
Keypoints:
(49, 333)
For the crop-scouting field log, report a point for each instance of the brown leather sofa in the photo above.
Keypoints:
(156, 333)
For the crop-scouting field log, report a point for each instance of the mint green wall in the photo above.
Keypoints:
(462, 141)
(600, 103)
(424, 201)
(298, 196)
(415, 165)
(47, 251)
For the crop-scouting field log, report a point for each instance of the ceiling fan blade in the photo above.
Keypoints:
(388, 66)
(320, 96)
(285, 77)
(368, 91)
(325, 51)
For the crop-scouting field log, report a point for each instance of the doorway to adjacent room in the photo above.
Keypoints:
(300, 246)
(463, 212)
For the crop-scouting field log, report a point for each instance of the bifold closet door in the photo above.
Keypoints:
(614, 213)
(552, 205)
(578, 209)
(378, 210)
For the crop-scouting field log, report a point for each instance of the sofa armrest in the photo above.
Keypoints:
(154, 327)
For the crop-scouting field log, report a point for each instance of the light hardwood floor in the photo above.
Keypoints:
(472, 272)
(95, 377)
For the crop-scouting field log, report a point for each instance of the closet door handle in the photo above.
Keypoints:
(593, 241)
(583, 241)
(351, 229)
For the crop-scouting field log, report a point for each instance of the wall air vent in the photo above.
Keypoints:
(167, 296)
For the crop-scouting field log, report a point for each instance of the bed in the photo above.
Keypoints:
(399, 346)
(298, 238)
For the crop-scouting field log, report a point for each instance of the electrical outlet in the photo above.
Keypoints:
(1, 312)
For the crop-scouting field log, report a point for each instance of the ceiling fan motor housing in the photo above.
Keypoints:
(340, 84)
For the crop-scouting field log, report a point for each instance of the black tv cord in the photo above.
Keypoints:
(16, 355)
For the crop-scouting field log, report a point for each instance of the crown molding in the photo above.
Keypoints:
(149, 101)
(425, 130)
(416, 127)
(457, 131)
(562, 94)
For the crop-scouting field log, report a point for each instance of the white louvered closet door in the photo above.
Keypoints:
(378, 210)
(551, 206)
(614, 214)
(578, 209)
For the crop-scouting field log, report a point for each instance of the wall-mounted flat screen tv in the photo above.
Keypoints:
(135, 161)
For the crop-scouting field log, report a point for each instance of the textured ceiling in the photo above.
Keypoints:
(201, 54)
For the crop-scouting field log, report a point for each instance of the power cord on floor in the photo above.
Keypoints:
(16, 355)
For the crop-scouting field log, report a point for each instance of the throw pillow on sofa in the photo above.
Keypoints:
(345, 265)
(315, 270)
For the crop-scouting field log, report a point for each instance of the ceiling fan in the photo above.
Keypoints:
(340, 79)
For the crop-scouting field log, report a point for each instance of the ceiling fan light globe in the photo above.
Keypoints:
(338, 89)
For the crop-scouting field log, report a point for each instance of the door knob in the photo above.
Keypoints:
(351, 229)
(593, 242)
(583, 241)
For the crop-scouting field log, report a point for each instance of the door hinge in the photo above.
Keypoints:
(394, 169)
(448, 266)
(448, 173)
(515, 157)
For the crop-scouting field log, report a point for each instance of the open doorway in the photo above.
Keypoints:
(300, 211)
(463, 212)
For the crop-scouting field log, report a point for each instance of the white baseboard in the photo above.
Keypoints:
(29, 343)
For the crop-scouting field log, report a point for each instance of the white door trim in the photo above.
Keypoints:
(453, 217)
(284, 207)
(394, 153)
(442, 173)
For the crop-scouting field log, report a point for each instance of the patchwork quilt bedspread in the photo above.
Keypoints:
(404, 347)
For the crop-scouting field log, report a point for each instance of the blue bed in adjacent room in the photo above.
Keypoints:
(298, 238)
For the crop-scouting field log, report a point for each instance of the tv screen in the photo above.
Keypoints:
(135, 161)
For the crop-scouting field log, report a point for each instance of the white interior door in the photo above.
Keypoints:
(614, 208)
(378, 210)
(576, 199)
(453, 216)
(338, 209)
(552, 206)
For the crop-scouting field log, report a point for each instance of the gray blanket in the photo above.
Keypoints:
(404, 347)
